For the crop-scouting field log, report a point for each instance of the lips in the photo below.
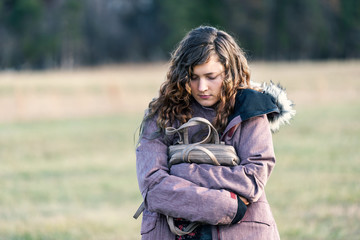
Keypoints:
(204, 96)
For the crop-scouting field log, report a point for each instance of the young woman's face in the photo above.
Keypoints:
(206, 81)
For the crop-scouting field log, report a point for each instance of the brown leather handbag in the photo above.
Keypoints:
(215, 152)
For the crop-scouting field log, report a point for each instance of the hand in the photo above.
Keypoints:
(244, 200)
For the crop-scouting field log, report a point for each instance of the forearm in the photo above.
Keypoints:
(239, 179)
(176, 197)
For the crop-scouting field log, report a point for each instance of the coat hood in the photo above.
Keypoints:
(269, 99)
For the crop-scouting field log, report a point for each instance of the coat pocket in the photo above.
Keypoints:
(259, 212)
(258, 223)
(149, 220)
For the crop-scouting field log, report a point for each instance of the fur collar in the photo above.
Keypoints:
(285, 106)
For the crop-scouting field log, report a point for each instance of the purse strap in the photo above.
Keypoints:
(177, 231)
(183, 131)
(191, 147)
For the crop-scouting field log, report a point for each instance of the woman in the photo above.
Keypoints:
(209, 77)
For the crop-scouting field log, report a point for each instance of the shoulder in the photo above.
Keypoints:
(151, 131)
(149, 128)
(250, 103)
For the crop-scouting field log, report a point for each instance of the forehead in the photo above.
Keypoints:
(213, 65)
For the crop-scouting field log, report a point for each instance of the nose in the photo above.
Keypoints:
(202, 85)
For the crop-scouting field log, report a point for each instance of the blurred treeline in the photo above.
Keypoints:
(66, 33)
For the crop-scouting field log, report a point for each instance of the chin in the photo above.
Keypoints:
(206, 103)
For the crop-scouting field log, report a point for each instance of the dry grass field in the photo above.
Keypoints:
(67, 151)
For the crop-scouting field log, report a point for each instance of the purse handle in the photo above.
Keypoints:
(184, 129)
(191, 147)
(180, 232)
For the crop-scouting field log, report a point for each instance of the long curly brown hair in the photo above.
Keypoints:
(174, 101)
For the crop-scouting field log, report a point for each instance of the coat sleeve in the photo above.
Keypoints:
(253, 143)
(173, 195)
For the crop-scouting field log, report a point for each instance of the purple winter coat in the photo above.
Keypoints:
(202, 192)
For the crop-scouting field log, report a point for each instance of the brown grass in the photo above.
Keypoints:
(128, 88)
(81, 92)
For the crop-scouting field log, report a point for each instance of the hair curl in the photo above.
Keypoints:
(173, 103)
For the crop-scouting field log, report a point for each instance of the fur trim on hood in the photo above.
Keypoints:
(284, 105)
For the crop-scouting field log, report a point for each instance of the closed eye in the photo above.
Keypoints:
(209, 76)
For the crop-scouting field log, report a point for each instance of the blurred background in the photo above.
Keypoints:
(44, 34)
(77, 75)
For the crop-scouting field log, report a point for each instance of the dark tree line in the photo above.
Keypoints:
(67, 33)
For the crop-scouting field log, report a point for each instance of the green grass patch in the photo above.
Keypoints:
(314, 190)
(69, 179)
(76, 179)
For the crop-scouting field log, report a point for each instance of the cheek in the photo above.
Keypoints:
(218, 87)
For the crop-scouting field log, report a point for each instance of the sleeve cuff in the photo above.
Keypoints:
(240, 211)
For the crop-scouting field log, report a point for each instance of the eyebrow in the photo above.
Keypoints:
(210, 73)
